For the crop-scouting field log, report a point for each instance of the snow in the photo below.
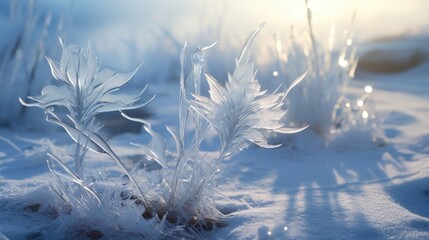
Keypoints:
(303, 190)
(350, 189)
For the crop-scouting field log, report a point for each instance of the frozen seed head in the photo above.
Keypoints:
(285, 228)
(365, 114)
(368, 89)
(360, 103)
(269, 233)
(347, 105)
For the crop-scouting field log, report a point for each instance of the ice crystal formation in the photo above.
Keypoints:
(172, 189)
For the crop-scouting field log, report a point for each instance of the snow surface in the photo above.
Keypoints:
(303, 190)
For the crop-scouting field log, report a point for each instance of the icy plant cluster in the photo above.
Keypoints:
(22, 47)
(175, 190)
(320, 99)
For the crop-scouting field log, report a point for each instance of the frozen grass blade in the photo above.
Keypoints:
(248, 45)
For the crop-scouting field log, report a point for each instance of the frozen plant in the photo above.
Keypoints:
(183, 190)
(24, 43)
(176, 191)
(84, 91)
(315, 100)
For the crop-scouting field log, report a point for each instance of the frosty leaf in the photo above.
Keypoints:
(80, 137)
(247, 48)
(269, 114)
(52, 93)
(216, 90)
(56, 72)
(259, 139)
(101, 77)
(111, 80)
(294, 83)
(173, 132)
(291, 130)
(93, 63)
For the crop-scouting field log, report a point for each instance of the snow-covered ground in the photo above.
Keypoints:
(351, 189)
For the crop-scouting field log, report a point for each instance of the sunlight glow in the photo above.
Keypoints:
(365, 114)
(360, 103)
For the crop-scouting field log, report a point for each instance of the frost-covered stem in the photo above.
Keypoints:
(183, 110)
(181, 162)
(79, 160)
(183, 118)
(226, 145)
(79, 149)
(197, 65)
(211, 171)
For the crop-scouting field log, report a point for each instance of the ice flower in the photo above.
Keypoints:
(240, 110)
(85, 90)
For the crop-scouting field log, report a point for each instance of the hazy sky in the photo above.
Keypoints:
(375, 17)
